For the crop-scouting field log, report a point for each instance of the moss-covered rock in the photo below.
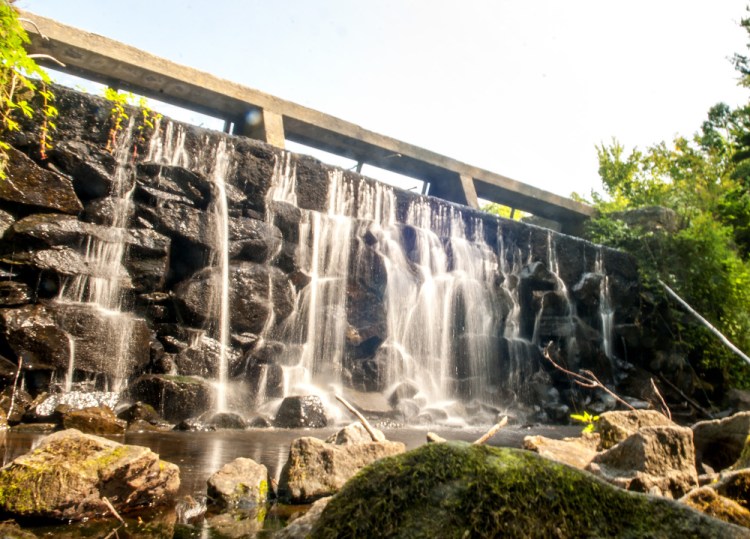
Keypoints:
(241, 483)
(707, 500)
(461, 490)
(69, 474)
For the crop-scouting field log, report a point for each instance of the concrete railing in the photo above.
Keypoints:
(263, 116)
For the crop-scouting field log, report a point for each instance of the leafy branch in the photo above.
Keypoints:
(20, 78)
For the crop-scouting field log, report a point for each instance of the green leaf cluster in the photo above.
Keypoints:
(20, 78)
(705, 179)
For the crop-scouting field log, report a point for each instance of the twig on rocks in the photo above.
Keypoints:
(376, 436)
(664, 408)
(490, 433)
(15, 387)
(113, 510)
(586, 378)
(690, 401)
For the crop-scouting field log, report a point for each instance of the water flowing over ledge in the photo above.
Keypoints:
(238, 274)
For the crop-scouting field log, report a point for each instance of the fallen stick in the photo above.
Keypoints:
(113, 510)
(490, 433)
(375, 435)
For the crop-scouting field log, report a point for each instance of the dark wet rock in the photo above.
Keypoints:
(35, 428)
(286, 217)
(451, 489)
(32, 186)
(97, 420)
(176, 397)
(21, 401)
(96, 337)
(301, 412)
(576, 452)
(175, 180)
(301, 527)
(193, 424)
(242, 483)
(13, 293)
(140, 425)
(201, 358)
(253, 240)
(249, 293)
(405, 390)
(738, 400)
(92, 168)
(139, 411)
(719, 442)
(316, 468)
(259, 422)
(614, 427)
(32, 334)
(227, 420)
(655, 460)
(178, 220)
(708, 501)
(69, 473)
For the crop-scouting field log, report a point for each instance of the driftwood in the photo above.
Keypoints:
(375, 435)
(585, 378)
(705, 322)
(490, 433)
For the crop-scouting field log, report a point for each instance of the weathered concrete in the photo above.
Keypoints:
(111, 62)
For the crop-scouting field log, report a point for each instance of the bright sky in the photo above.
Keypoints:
(524, 88)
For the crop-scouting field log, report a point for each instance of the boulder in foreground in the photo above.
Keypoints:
(69, 474)
(460, 490)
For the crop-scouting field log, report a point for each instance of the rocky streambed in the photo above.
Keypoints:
(644, 477)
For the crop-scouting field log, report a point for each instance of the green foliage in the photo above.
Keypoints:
(586, 418)
(20, 78)
(503, 211)
(119, 115)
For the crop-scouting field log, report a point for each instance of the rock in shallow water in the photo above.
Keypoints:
(458, 490)
(316, 468)
(69, 474)
(242, 483)
(301, 412)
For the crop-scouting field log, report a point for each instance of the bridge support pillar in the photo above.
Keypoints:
(263, 125)
(457, 188)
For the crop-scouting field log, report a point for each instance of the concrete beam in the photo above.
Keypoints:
(104, 60)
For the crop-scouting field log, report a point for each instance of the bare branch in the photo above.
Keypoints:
(690, 401)
(32, 23)
(113, 510)
(665, 409)
(586, 379)
(48, 57)
(375, 435)
(490, 433)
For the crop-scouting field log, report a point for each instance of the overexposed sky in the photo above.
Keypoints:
(524, 88)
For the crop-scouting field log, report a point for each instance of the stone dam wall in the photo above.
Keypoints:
(199, 271)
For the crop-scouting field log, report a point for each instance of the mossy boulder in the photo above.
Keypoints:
(241, 483)
(460, 490)
(69, 474)
(707, 500)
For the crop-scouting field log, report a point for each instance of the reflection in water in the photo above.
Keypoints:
(199, 454)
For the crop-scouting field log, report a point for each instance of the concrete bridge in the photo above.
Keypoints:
(275, 120)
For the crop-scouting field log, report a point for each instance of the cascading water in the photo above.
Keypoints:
(101, 289)
(606, 310)
(221, 163)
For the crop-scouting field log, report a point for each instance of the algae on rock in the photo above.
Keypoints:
(461, 490)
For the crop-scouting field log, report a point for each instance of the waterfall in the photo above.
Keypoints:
(606, 310)
(220, 212)
(101, 289)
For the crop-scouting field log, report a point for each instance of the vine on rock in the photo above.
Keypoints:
(20, 79)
